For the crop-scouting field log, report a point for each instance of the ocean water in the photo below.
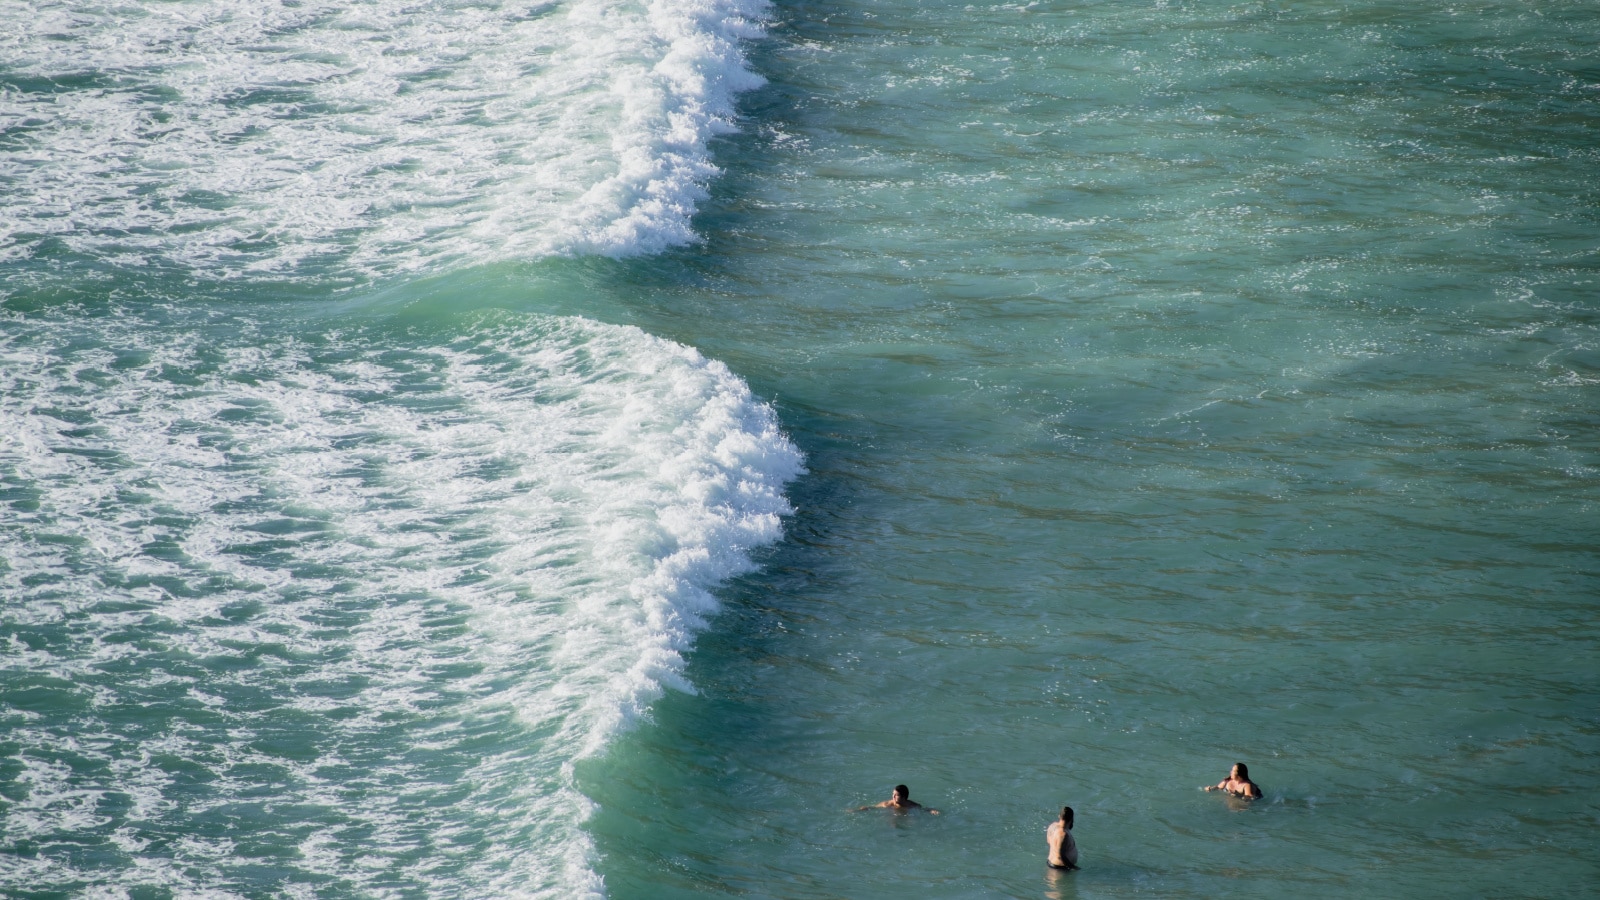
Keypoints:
(478, 449)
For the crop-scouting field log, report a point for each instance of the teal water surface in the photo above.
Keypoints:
(1182, 384)
(1179, 383)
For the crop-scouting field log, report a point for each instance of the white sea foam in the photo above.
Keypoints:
(237, 137)
(442, 575)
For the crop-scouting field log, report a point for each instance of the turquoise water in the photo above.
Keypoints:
(1177, 384)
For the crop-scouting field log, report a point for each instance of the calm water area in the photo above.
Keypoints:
(1181, 384)
(1177, 384)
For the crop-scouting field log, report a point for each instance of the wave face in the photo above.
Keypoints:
(239, 138)
(339, 613)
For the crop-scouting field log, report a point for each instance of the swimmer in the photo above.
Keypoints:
(1237, 783)
(1063, 849)
(900, 801)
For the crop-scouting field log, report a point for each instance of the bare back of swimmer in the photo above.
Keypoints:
(1063, 849)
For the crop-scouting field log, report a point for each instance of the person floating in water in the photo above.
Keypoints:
(1063, 849)
(1238, 784)
(900, 801)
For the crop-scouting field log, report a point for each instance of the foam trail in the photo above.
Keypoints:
(322, 139)
(372, 603)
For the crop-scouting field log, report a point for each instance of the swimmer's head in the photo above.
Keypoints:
(1240, 772)
(1066, 816)
(902, 792)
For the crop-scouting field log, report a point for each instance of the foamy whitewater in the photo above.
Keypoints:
(392, 390)
(369, 554)
(374, 592)
(232, 137)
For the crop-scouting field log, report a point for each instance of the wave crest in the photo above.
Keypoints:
(373, 601)
(234, 138)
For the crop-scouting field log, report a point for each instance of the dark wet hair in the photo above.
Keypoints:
(902, 790)
(1066, 815)
(1244, 770)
